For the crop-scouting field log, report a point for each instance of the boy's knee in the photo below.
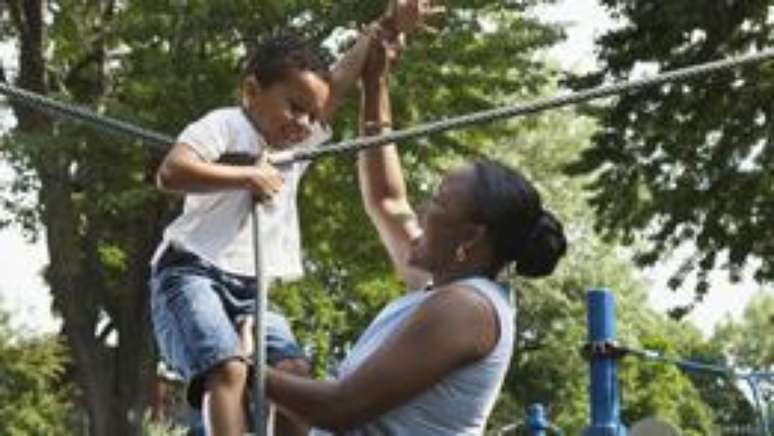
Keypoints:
(295, 366)
(232, 372)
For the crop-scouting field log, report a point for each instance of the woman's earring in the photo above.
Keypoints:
(460, 254)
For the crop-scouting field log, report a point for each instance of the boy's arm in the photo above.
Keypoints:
(401, 16)
(349, 68)
(183, 170)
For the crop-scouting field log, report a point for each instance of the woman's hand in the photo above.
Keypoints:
(245, 326)
(385, 50)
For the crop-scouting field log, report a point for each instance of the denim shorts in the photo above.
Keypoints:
(195, 306)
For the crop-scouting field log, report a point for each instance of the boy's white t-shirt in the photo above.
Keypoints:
(217, 226)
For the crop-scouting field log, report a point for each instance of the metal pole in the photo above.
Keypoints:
(82, 114)
(604, 395)
(536, 420)
(532, 107)
(259, 380)
(42, 102)
(760, 405)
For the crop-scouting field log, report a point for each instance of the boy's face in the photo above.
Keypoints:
(286, 110)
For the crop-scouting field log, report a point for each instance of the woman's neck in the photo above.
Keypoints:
(442, 278)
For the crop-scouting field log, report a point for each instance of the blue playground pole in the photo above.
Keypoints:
(605, 398)
(537, 424)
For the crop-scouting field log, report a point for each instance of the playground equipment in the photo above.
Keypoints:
(536, 423)
(604, 352)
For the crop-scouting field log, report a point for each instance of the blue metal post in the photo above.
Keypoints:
(537, 424)
(605, 399)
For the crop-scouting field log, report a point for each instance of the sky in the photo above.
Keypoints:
(22, 290)
(23, 293)
(583, 20)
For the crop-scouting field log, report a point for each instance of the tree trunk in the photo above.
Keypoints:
(114, 380)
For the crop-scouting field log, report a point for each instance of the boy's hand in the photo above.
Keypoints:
(263, 180)
(406, 16)
(401, 17)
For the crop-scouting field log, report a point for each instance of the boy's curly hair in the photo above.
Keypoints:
(281, 51)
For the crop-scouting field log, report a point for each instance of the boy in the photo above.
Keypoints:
(202, 278)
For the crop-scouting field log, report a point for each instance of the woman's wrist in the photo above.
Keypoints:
(384, 26)
(376, 127)
(375, 82)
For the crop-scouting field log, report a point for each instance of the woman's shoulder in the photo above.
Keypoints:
(474, 290)
(460, 303)
(468, 314)
(464, 293)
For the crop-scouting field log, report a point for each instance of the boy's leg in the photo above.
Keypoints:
(196, 336)
(224, 389)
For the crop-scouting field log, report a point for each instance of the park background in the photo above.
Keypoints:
(666, 188)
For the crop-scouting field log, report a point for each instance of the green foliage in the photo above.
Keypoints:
(655, 389)
(686, 163)
(749, 344)
(723, 395)
(154, 428)
(34, 399)
(746, 339)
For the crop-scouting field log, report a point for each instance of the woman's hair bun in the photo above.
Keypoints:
(543, 247)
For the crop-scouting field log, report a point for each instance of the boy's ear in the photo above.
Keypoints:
(251, 87)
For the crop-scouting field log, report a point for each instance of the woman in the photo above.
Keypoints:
(433, 361)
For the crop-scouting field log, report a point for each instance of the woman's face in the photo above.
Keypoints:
(446, 221)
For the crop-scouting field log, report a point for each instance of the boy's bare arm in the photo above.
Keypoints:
(347, 71)
(401, 16)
